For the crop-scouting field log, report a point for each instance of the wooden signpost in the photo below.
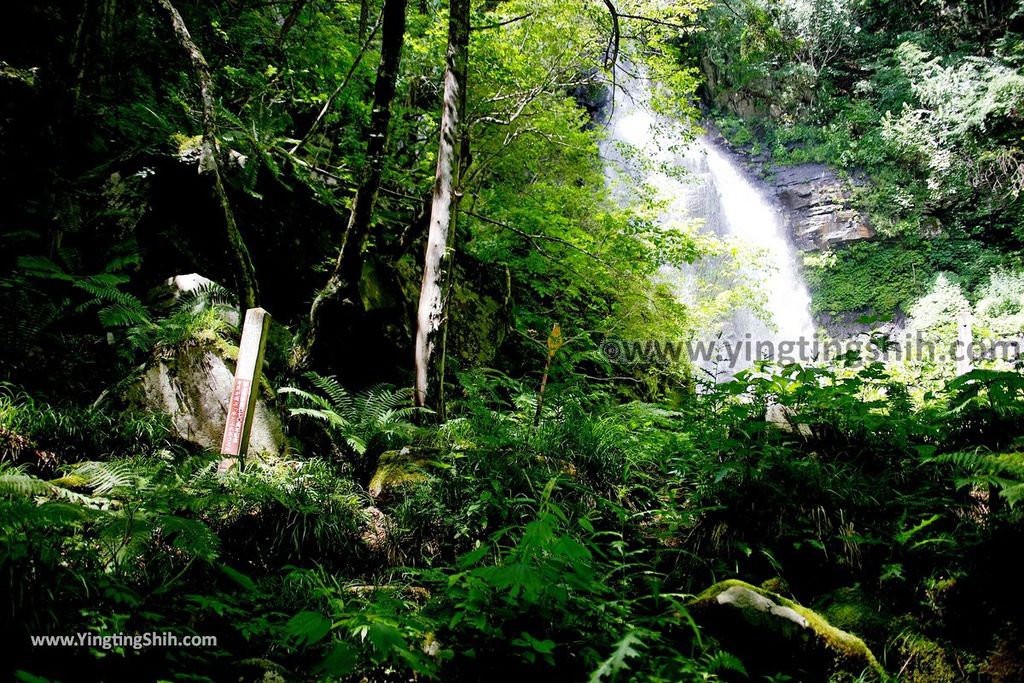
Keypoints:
(248, 372)
(964, 343)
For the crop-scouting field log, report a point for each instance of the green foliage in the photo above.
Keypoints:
(565, 549)
(67, 433)
(374, 420)
(921, 102)
(877, 276)
(572, 547)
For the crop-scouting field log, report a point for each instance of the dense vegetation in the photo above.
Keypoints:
(532, 508)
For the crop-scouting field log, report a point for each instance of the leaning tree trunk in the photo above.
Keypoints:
(430, 314)
(244, 272)
(340, 297)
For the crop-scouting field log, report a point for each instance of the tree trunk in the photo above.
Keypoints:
(364, 18)
(340, 297)
(289, 21)
(444, 206)
(244, 272)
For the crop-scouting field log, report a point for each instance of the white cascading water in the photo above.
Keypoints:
(644, 150)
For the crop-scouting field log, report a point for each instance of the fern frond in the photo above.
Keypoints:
(208, 294)
(21, 483)
(340, 399)
(108, 477)
(307, 396)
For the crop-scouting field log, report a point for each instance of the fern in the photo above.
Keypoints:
(375, 418)
(1003, 471)
(206, 295)
(628, 647)
(18, 482)
(116, 309)
(108, 477)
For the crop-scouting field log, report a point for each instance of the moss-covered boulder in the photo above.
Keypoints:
(395, 469)
(773, 634)
(855, 610)
(192, 386)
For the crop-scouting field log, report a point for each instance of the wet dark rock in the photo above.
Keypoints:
(816, 200)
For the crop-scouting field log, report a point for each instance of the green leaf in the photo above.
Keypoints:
(628, 647)
(308, 627)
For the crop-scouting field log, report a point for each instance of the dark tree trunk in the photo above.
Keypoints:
(444, 207)
(289, 21)
(364, 18)
(336, 306)
(244, 272)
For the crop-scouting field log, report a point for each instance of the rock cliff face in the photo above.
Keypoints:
(818, 206)
(817, 202)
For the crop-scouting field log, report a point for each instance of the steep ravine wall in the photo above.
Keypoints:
(817, 201)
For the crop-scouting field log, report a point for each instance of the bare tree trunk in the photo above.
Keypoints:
(431, 311)
(244, 272)
(340, 296)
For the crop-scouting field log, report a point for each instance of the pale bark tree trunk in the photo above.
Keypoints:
(244, 272)
(444, 206)
(340, 296)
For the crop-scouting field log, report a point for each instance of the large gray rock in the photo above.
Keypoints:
(818, 206)
(192, 383)
(193, 387)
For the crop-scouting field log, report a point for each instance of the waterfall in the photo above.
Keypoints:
(699, 181)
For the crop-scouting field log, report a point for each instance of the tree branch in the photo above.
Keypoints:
(487, 27)
(653, 20)
(341, 86)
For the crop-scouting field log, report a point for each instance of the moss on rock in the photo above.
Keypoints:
(852, 609)
(396, 468)
(774, 634)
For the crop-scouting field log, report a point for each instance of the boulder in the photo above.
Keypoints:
(378, 531)
(192, 385)
(773, 634)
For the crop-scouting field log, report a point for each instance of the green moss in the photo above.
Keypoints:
(396, 468)
(848, 652)
(925, 661)
(851, 609)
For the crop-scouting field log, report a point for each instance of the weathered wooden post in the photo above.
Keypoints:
(248, 372)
